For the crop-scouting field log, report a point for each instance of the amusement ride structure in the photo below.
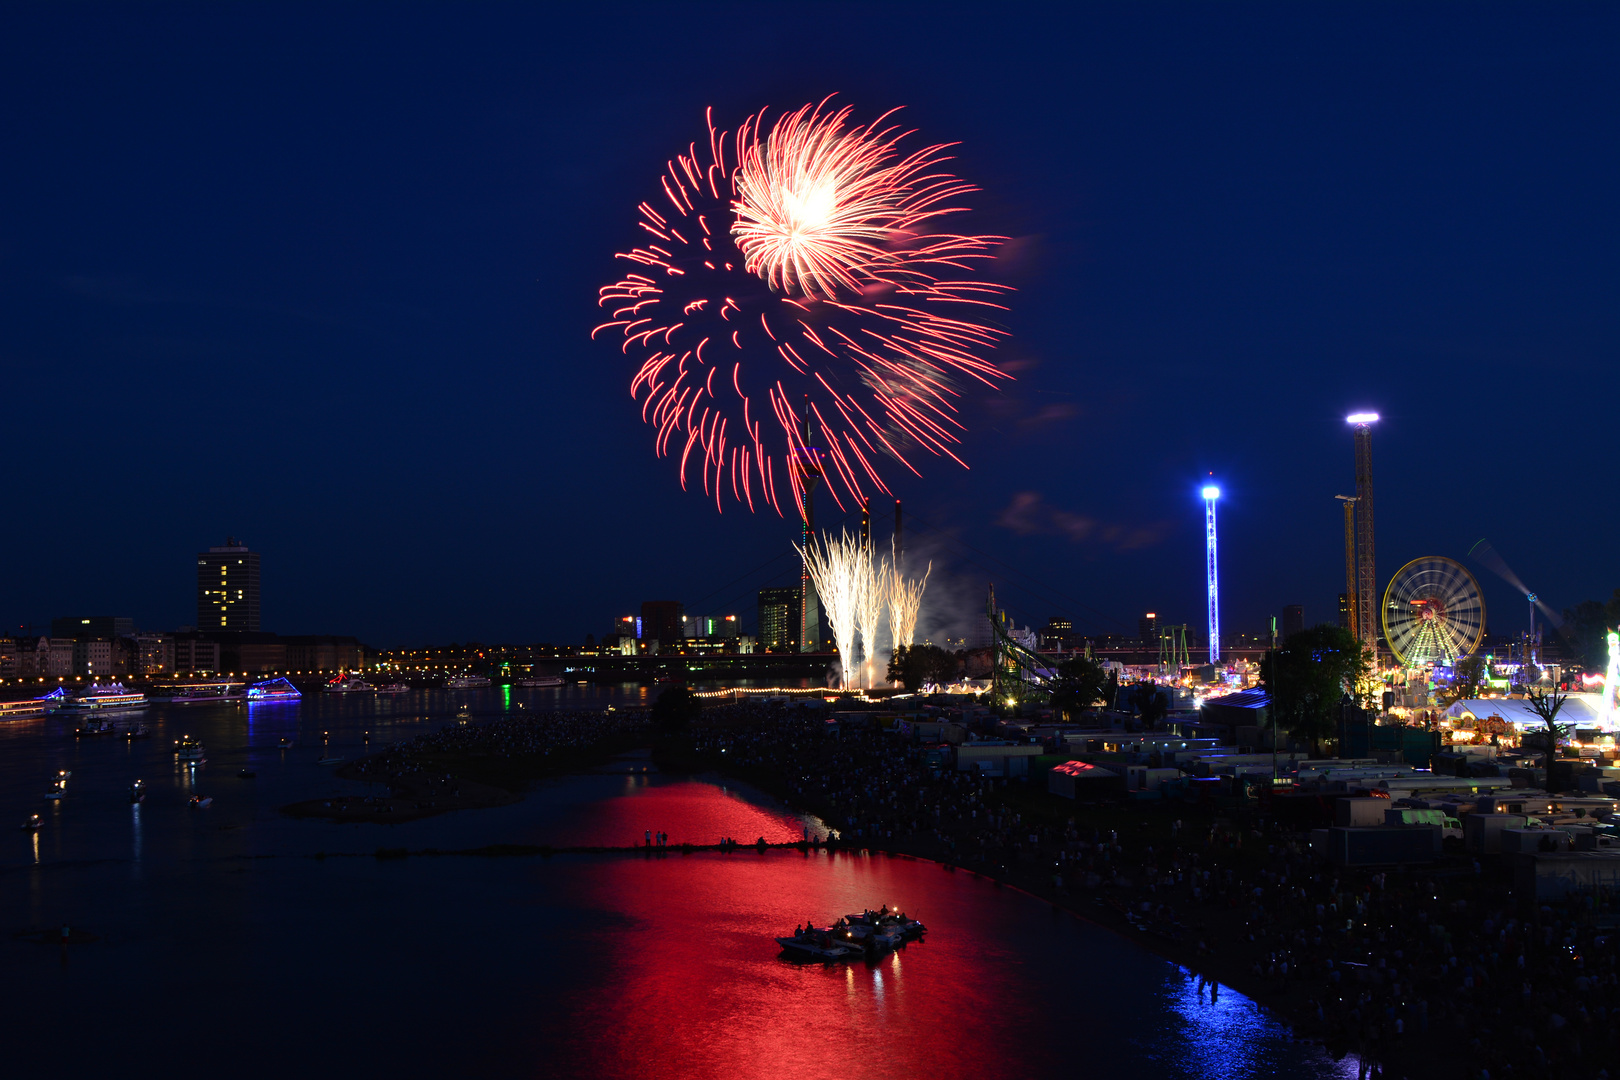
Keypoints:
(1433, 612)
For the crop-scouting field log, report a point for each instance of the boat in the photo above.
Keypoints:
(246, 774)
(96, 725)
(211, 693)
(330, 761)
(189, 749)
(812, 943)
(54, 794)
(393, 688)
(139, 731)
(881, 930)
(112, 697)
(348, 684)
(137, 791)
(201, 802)
(33, 823)
(541, 680)
(273, 690)
(16, 710)
(465, 682)
(286, 743)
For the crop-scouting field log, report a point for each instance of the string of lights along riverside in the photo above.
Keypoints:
(794, 272)
(1211, 494)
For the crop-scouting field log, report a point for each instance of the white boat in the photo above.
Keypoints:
(541, 680)
(201, 802)
(189, 749)
(465, 682)
(330, 761)
(393, 688)
(12, 710)
(348, 684)
(110, 698)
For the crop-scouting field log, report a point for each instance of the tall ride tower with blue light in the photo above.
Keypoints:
(1211, 493)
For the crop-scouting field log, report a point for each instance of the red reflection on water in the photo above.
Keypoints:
(695, 985)
(689, 811)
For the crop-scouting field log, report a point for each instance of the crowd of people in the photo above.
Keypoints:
(1438, 968)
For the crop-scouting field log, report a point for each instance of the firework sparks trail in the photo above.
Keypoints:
(796, 260)
(905, 601)
(870, 600)
(835, 570)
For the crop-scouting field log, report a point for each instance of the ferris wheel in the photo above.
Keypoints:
(1433, 613)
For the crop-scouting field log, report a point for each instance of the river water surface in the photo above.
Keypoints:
(238, 942)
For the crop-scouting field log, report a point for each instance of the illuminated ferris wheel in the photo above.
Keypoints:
(1433, 612)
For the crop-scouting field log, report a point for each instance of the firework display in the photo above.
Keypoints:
(835, 570)
(871, 599)
(905, 600)
(793, 272)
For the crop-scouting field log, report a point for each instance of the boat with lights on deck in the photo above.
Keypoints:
(348, 684)
(465, 682)
(113, 697)
(200, 693)
(273, 690)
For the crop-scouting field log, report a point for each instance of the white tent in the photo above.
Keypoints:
(1580, 710)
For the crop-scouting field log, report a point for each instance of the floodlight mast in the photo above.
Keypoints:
(1212, 493)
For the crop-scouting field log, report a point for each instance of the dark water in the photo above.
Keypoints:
(226, 947)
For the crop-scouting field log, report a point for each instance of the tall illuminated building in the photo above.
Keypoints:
(1211, 493)
(228, 588)
(779, 619)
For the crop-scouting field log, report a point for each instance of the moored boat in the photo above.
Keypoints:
(189, 749)
(113, 697)
(541, 680)
(465, 682)
(273, 690)
(812, 943)
(348, 684)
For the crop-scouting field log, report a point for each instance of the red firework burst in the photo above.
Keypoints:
(797, 261)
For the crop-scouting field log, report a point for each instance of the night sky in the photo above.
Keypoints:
(321, 277)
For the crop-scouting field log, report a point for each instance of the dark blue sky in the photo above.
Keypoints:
(321, 277)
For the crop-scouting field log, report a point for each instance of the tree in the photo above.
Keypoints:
(1586, 625)
(1149, 699)
(1078, 684)
(917, 666)
(675, 710)
(1466, 675)
(1546, 704)
(1308, 677)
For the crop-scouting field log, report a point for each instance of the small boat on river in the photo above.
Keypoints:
(812, 943)
(190, 750)
(137, 791)
(201, 802)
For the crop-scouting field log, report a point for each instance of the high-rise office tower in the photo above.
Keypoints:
(779, 618)
(1293, 620)
(228, 588)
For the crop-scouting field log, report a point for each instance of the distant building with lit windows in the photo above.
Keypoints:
(228, 588)
(779, 619)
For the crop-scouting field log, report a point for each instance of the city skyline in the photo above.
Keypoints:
(373, 376)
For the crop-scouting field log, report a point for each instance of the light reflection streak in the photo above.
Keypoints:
(1229, 1037)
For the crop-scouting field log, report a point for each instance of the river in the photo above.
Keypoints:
(237, 941)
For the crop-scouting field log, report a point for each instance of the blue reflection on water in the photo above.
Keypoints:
(1228, 1035)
